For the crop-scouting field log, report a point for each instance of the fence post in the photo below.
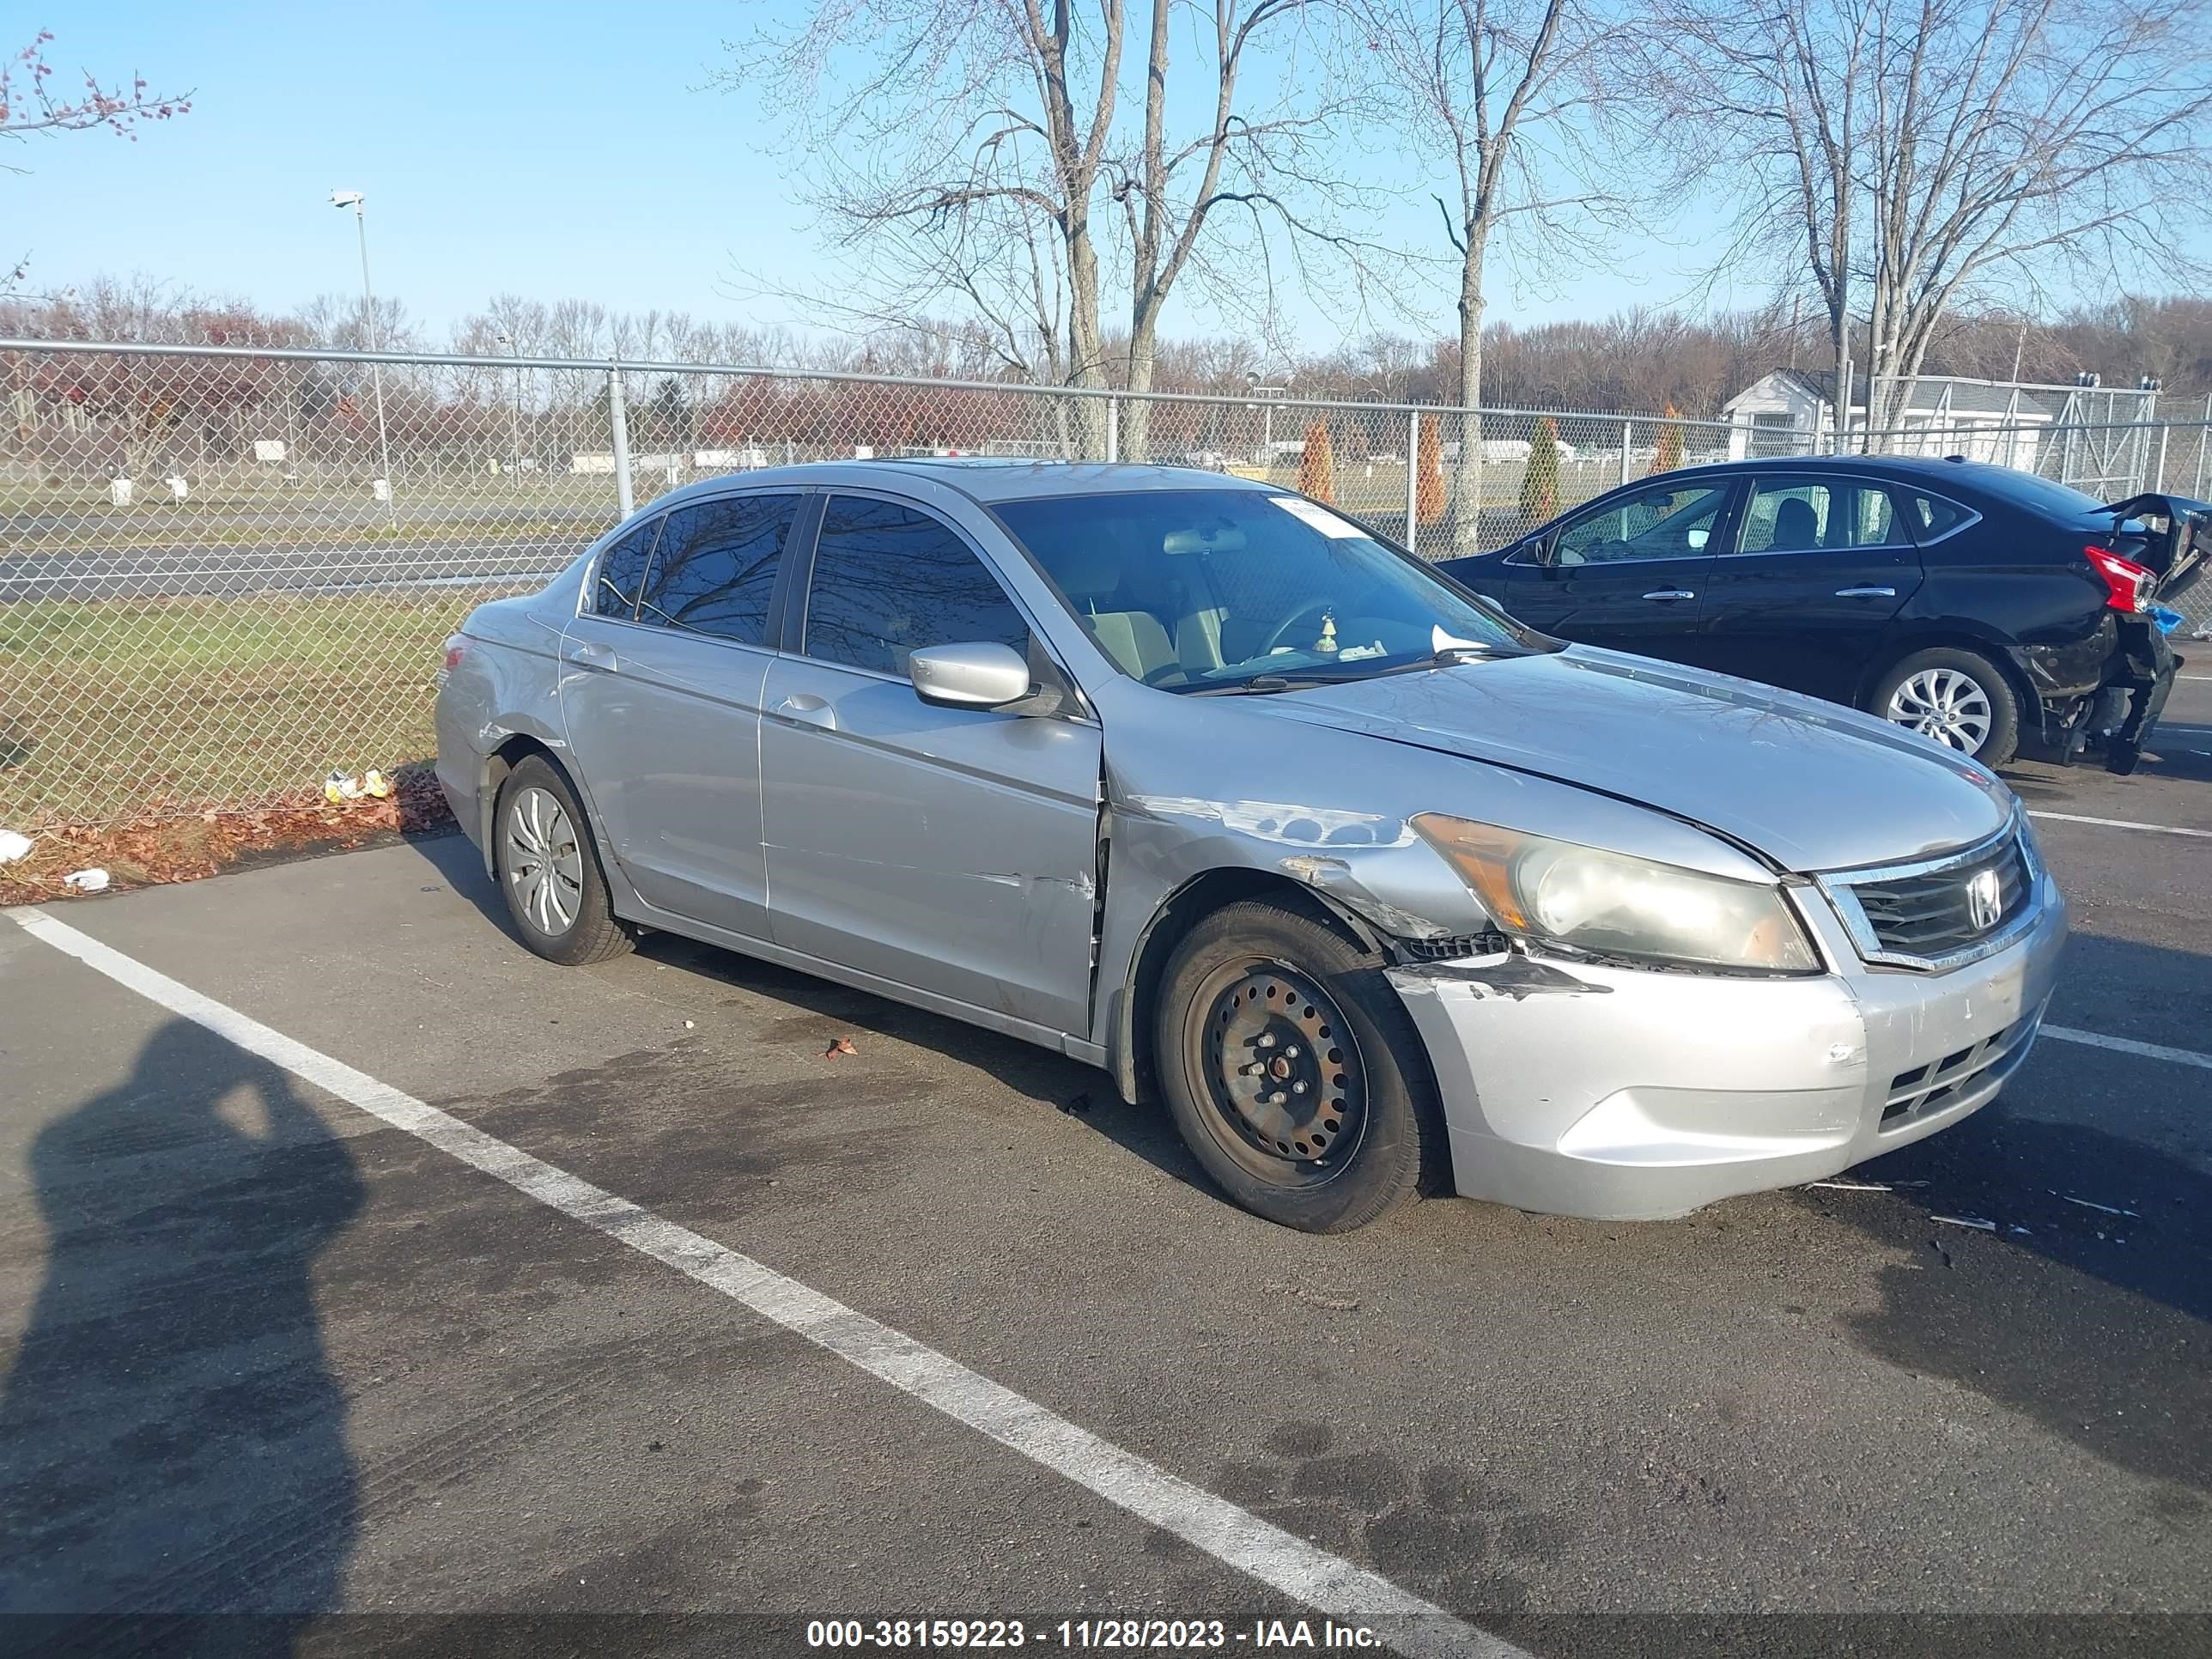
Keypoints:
(1113, 429)
(1628, 433)
(1412, 479)
(2204, 432)
(2165, 435)
(618, 417)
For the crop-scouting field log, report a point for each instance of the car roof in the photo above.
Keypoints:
(1932, 468)
(983, 479)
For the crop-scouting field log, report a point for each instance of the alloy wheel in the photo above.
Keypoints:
(1946, 704)
(545, 863)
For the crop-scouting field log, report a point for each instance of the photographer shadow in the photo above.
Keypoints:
(172, 1445)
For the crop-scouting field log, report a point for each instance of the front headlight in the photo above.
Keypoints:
(1590, 900)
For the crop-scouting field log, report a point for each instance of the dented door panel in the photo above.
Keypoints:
(949, 849)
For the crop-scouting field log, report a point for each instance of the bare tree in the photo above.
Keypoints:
(1272, 167)
(1517, 98)
(963, 141)
(964, 151)
(1929, 153)
(30, 104)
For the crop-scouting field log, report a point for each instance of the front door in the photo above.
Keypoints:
(951, 850)
(1819, 570)
(661, 692)
(1629, 573)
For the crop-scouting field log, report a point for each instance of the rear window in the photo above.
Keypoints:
(2057, 500)
(1932, 516)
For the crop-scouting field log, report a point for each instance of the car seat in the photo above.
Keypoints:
(1797, 527)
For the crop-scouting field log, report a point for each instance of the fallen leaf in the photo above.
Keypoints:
(841, 1045)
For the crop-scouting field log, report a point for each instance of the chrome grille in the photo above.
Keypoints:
(1928, 915)
(1943, 911)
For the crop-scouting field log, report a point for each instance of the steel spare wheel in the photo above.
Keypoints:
(1281, 1072)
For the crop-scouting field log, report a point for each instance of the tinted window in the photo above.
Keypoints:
(716, 565)
(889, 579)
(621, 571)
(1666, 522)
(1931, 516)
(1802, 515)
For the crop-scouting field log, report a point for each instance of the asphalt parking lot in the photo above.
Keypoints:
(286, 1340)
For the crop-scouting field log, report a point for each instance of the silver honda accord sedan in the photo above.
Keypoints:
(1198, 781)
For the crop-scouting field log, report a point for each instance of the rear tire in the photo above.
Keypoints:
(1960, 698)
(1293, 1071)
(549, 869)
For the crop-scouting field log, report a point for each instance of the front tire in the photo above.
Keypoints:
(1293, 1072)
(1960, 698)
(549, 870)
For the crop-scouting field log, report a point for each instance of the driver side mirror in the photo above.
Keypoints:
(983, 674)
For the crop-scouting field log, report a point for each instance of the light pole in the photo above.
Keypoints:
(1267, 414)
(353, 198)
(514, 350)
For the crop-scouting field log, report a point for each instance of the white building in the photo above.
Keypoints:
(1791, 412)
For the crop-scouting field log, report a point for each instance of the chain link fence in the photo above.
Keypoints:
(224, 572)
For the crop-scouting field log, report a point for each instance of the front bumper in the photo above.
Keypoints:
(1626, 1094)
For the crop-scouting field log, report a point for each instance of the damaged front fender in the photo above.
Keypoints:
(1510, 974)
(1265, 801)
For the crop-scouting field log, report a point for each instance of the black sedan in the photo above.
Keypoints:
(1985, 607)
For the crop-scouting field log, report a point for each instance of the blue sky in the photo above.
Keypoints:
(556, 151)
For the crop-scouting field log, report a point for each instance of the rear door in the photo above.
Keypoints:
(1818, 568)
(952, 850)
(662, 705)
(1629, 573)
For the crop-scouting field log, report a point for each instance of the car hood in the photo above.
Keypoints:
(1810, 784)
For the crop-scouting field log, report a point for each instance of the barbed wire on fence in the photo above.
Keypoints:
(217, 581)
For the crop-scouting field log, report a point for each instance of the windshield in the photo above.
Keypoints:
(1197, 590)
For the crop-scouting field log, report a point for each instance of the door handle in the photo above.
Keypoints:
(1670, 595)
(1866, 593)
(808, 709)
(591, 654)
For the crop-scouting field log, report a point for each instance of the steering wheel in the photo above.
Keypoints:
(1315, 607)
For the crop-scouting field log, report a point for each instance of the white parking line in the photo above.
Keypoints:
(2129, 1046)
(2124, 823)
(1244, 1541)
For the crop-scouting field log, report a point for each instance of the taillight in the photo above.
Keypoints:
(2127, 583)
(455, 647)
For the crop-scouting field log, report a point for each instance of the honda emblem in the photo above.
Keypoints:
(1984, 899)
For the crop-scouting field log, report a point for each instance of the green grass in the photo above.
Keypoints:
(123, 709)
(119, 709)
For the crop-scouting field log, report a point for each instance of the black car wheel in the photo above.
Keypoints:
(1957, 697)
(1293, 1070)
